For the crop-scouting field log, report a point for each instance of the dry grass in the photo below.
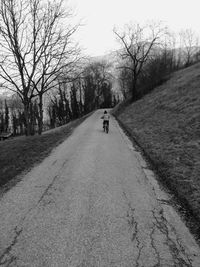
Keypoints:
(166, 124)
(19, 154)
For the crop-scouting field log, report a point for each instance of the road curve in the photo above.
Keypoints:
(92, 203)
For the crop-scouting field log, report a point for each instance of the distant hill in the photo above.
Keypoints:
(166, 124)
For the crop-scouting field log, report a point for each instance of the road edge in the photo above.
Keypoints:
(154, 177)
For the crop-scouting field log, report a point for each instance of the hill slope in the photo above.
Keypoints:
(166, 124)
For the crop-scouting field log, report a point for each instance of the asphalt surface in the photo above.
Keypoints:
(92, 203)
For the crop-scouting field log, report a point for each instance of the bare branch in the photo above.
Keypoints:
(137, 47)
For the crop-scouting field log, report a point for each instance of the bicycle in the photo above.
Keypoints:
(106, 126)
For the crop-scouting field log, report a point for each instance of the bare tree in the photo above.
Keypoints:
(125, 81)
(189, 45)
(137, 44)
(36, 45)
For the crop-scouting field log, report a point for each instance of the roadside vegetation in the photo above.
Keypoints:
(49, 80)
(166, 125)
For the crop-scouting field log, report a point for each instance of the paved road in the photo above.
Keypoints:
(92, 203)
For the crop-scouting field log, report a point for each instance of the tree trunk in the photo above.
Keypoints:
(40, 118)
(27, 117)
(134, 85)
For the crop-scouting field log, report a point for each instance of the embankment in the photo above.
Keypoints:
(166, 125)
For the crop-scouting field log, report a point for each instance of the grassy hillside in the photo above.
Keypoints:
(166, 124)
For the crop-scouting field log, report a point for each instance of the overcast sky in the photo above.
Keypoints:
(100, 16)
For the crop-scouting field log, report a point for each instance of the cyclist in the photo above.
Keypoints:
(106, 119)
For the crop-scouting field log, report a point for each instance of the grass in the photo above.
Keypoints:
(19, 154)
(166, 125)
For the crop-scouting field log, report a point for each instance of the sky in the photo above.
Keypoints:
(100, 16)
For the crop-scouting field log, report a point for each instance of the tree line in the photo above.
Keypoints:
(89, 89)
(38, 57)
(149, 54)
(42, 65)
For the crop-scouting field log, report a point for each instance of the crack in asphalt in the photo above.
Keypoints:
(171, 244)
(8, 250)
(139, 247)
(133, 224)
(139, 254)
(183, 250)
(45, 193)
(154, 248)
(162, 224)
